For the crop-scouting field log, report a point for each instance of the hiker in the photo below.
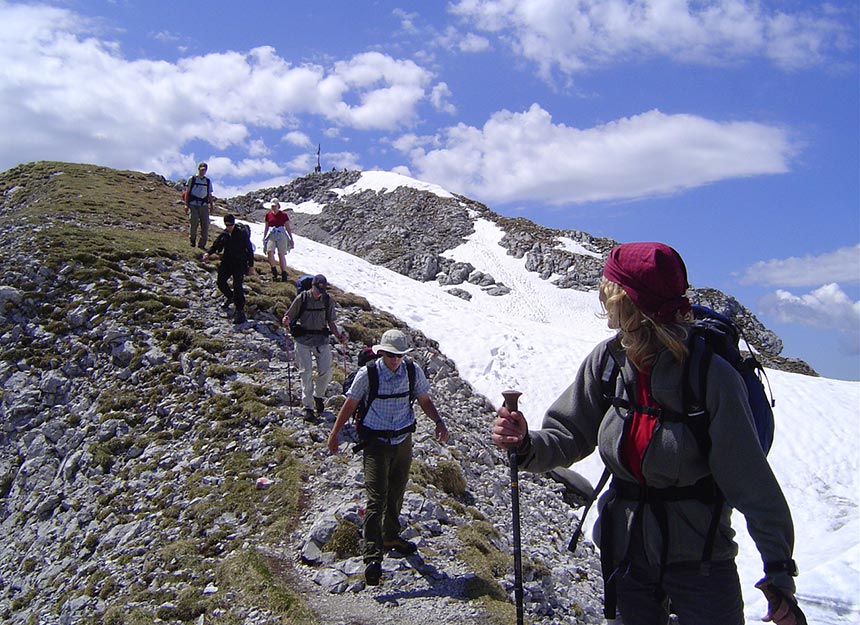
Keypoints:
(311, 319)
(237, 260)
(199, 202)
(655, 517)
(387, 434)
(277, 236)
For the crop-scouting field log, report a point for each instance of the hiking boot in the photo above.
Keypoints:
(240, 317)
(372, 573)
(309, 414)
(192, 242)
(401, 546)
(275, 275)
(283, 276)
(319, 404)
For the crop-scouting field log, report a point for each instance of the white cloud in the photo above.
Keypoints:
(464, 42)
(574, 36)
(136, 113)
(298, 139)
(526, 157)
(827, 307)
(407, 20)
(165, 36)
(842, 265)
(222, 166)
(439, 98)
(470, 42)
(258, 147)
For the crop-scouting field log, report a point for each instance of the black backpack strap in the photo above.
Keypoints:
(364, 405)
(303, 305)
(698, 420)
(410, 373)
(571, 546)
(610, 369)
(611, 364)
(694, 391)
(372, 384)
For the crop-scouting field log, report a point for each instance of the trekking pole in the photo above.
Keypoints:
(511, 398)
(289, 372)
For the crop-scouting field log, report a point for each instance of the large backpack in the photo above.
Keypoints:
(366, 434)
(710, 333)
(304, 283)
(303, 286)
(714, 333)
(198, 189)
(364, 356)
(246, 230)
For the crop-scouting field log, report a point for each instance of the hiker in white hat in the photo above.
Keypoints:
(277, 236)
(387, 386)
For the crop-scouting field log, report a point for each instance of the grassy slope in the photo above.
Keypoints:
(86, 221)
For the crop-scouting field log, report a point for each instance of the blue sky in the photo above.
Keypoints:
(728, 129)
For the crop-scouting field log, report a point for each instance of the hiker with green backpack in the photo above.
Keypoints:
(386, 388)
(664, 530)
(310, 319)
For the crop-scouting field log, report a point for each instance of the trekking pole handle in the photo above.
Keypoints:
(511, 400)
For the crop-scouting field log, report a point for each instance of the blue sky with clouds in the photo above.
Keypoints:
(726, 128)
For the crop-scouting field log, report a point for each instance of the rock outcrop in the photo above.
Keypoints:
(408, 230)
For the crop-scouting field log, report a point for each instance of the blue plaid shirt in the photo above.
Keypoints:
(394, 413)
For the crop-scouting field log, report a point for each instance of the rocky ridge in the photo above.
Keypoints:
(408, 230)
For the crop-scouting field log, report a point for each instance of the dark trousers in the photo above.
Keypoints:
(386, 472)
(696, 599)
(237, 293)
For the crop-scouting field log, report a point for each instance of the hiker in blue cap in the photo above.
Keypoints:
(311, 320)
(665, 523)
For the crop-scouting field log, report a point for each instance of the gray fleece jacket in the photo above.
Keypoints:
(582, 419)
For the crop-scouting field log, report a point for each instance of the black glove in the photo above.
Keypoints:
(782, 607)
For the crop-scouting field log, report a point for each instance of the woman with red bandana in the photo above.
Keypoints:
(657, 552)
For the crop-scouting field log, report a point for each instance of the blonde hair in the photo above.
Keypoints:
(641, 337)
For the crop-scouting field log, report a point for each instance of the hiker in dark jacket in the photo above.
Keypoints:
(237, 260)
(388, 426)
(199, 203)
(652, 534)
